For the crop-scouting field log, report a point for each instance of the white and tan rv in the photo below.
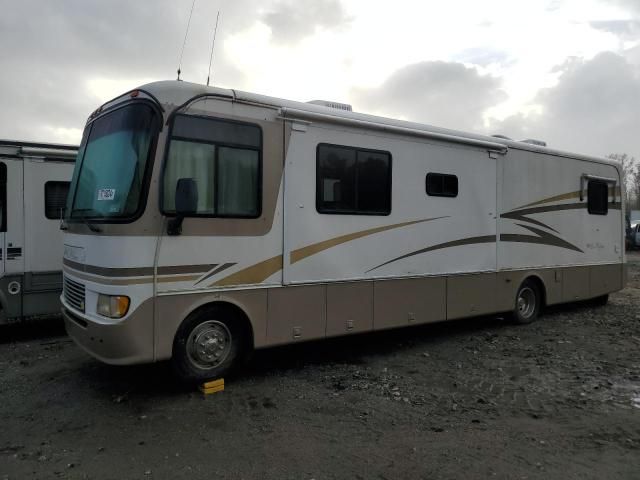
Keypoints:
(205, 222)
(34, 180)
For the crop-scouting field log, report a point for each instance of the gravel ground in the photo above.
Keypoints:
(478, 398)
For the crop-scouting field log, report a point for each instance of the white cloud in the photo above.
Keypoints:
(594, 108)
(104, 89)
(288, 22)
(62, 61)
(440, 93)
(68, 136)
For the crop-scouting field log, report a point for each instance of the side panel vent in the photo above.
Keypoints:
(533, 141)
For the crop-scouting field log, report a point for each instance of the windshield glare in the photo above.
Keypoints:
(108, 180)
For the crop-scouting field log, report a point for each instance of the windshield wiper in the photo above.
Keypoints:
(84, 220)
(90, 226)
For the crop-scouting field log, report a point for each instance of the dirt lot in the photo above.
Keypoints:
(474, 399)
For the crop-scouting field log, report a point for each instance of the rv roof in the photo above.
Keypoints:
(173, 92)
(48, 151)
(20, 143)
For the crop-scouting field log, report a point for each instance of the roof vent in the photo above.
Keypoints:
(338, 106)
(533, 141)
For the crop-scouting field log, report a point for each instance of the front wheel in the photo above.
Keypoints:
(528, 301)
(600, 301)
(209, 344)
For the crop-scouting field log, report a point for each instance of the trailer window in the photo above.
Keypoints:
(597, 197)
(224, 159)
(441, 185)
(55, 199)
(353, 181)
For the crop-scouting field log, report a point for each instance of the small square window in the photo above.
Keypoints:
(442, 185)
(55, 199)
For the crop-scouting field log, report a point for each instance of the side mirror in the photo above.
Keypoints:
(186, 204)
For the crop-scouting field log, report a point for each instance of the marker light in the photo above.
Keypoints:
(113, 306)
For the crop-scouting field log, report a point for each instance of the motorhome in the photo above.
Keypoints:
(34, 180)
(204, 222)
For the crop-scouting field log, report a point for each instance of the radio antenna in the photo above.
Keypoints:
(184, 43)
(213, 43)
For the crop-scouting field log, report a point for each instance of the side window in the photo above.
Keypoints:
(3, 197)
(225, 160)
(441, 185)
(353, 181)
(597, 197)
(55, 199)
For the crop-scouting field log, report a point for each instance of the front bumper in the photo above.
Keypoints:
(126, 342)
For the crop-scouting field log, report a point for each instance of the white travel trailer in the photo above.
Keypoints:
(205, 222)
(34, 180)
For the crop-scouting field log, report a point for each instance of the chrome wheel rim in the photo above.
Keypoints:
(526, 302)
(209, 344)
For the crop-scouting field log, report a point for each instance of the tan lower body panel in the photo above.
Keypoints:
(604, 279)
(296, 313)
(288, 314)
(349, 308)
(575, 284)
(409, 301)
(119, 343)
(471, 295)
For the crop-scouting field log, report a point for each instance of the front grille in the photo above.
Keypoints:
(74, 294)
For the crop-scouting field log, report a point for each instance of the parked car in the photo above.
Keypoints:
(634, 238)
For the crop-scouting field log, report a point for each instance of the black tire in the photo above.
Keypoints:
(600, 301)
(209, 344)
(527, 303)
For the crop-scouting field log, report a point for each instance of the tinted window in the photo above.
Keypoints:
(55, 199)
(109, 176)
(442, 185)
(224, 160)
(353, 181)
(214, 130)
(597, 197)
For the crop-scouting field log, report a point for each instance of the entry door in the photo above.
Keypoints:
(42, 181)
(3, 215)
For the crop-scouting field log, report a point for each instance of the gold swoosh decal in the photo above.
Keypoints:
(613, 192)
(439, 246)
(257, 273)
(555, 198)
(304, 252)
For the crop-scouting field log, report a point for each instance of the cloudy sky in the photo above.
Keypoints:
(565, 71)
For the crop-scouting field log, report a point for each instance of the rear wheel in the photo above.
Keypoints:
(600, 301)
(209, 344)
(528, 302)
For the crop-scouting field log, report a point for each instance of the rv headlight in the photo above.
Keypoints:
(113, 306)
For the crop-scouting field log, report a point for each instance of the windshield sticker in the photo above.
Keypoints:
(106, 193)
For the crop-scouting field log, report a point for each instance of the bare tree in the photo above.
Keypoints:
(630, 177)
(635, 187)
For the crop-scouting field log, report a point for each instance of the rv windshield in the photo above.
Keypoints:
(108, 180)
